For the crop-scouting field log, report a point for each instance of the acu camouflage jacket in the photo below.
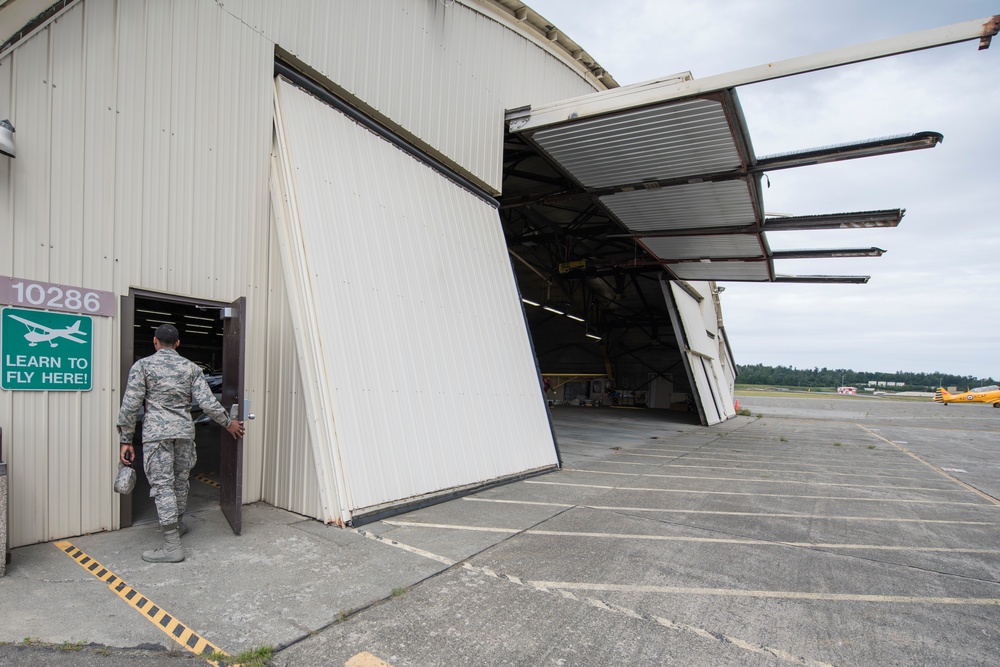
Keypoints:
(167, 382)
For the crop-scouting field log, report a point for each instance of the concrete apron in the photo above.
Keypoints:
(787, 539)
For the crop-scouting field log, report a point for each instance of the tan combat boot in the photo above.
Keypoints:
(171, 552)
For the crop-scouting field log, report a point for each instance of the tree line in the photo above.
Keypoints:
(786, 376)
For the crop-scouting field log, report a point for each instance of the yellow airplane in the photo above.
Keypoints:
(990, 394)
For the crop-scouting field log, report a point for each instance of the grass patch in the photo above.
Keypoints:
(255, 657)
(744, 412)
(70, 646)
(784, 439)
(397, 591)
(838, 444)
(871, 446)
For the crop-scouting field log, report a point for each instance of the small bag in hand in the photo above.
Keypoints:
(125, 481)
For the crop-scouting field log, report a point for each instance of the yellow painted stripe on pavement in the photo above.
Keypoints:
(167, 623)
(366, 659)
(206, 479)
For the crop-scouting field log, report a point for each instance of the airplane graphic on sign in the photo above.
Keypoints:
(39, 333)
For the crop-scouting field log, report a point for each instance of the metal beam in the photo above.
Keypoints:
(659, 91)
(826, 254)
(833, 280)
(850, 151)
(859, 220)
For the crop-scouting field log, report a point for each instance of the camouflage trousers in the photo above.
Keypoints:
(168, 464)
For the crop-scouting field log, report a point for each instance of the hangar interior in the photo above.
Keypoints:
(610, 197)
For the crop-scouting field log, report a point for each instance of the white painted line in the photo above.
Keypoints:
(968, 487)
(761, 543)
(771, 470)
(667, 623)
(881, 464)
(778, 595)
(758, 495)
(702, 540)
(405, 547)
(766, 481)
(620, 508)
(451, 526)
(515, 502)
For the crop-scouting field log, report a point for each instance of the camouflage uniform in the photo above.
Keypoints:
(166, 381)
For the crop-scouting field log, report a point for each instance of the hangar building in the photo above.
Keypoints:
(394, 231)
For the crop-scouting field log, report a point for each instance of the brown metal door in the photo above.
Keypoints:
(233, 394)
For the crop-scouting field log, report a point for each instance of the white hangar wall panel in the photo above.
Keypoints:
(443, 72)
(143, 136)
(289, 469)
(696, 322)
(412, 319)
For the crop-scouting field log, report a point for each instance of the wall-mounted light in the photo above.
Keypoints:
(7, 138)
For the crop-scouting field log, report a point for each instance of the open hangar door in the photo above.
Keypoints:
(408, 329)
(601, 329)
(622, 209)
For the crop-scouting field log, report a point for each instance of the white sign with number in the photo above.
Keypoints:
(53, 296)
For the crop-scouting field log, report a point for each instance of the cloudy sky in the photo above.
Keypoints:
(931, 303)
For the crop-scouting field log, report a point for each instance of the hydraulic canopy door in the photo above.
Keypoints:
(234, 399)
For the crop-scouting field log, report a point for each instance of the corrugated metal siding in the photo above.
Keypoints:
(639, 145)
(423, 343)
(445, 74)
(289, 469)
(746, 271)
(143, 132)
(698, 247)
(690, 206)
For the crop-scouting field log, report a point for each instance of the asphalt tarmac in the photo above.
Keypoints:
(817, 531)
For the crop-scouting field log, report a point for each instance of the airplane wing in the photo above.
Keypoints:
(31, 324)
(69, 337)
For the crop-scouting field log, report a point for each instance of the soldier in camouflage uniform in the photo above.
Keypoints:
(167, 382)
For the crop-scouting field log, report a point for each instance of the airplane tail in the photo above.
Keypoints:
(75, 328)
(941, 395)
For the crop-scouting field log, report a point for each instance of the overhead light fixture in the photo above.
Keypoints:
(590, 335)
(530, 302)
(553, 310)
(7, 138)
(574, 317)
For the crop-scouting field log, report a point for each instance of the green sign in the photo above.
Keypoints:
(45, 351)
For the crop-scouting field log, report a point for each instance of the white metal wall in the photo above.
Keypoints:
(445, 73)
(408, 315)
(144, 135)
(143, 132)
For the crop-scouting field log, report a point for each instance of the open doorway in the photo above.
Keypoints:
(202, 340)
